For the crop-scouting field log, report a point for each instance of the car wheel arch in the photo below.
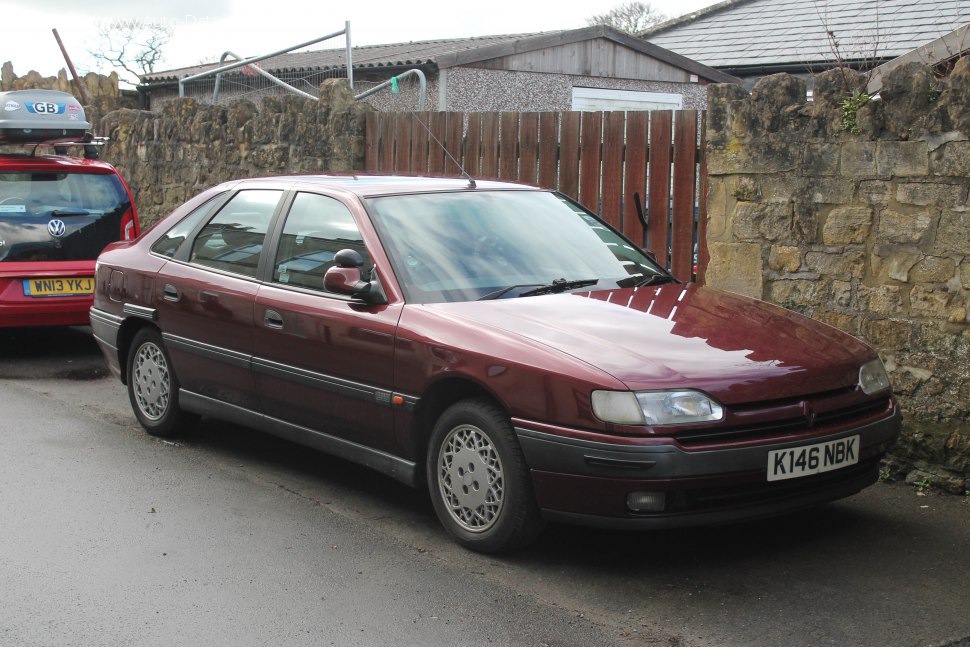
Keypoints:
(435, 401)
(129, 328)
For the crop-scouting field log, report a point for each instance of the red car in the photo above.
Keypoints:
(56, 212)
(495, 343)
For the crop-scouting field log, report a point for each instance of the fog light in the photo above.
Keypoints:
(646, 501)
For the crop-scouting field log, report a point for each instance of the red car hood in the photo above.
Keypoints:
(735, 348)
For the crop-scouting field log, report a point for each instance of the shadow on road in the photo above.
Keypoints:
(59, 353)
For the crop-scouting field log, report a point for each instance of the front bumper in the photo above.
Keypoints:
(587, 482)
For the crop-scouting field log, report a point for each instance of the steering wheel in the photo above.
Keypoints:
(12, 197)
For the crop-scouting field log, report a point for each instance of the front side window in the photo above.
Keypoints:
(468, 245)
(316, 228)
(233, 239)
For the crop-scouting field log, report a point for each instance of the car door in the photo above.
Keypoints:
(321, 360)
(205, 298)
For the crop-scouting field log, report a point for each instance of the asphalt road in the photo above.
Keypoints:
(230, 537)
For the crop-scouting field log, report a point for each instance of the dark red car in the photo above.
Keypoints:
(57, 212)
(494, 342)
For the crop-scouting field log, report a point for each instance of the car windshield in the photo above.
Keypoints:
(469, 245)
(90, 207)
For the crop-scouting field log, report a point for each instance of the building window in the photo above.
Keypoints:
(597, 99)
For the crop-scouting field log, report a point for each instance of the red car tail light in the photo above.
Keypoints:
(129, 225)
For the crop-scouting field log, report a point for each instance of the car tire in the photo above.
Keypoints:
(478, 479)
(153, 387)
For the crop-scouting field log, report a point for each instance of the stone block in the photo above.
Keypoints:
(932, 303)
(830, 190)
(874, 192)
(889, 334)
(902, 159)
(965, 274)
(717, 208)
(746, 189)
(933, 269)
(842, 293)
(754, 220)
(859, 160)
(736, 267)
(931, 193)
(850, 264)
(820, 159)
(800, 295)
(844, 322)
(884, 300)
(899, 263)
(782, 258)
(847, 225)
(952, 160)
(953, 233)
(896, 227)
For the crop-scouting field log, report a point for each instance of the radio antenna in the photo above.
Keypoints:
(471, 181)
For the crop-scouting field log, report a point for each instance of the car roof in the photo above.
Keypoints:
(376, 185)
(25, 162)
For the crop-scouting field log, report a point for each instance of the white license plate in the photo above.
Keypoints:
(812, 459)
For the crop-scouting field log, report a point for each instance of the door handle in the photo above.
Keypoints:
(170, 293)
(273, 319)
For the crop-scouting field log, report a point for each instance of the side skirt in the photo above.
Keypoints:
(397, 468)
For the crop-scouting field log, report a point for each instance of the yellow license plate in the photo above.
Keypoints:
(59, 286)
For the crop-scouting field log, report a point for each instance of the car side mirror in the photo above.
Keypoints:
(345, 278)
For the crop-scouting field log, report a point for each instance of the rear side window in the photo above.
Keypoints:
(168, 244)
(59, 216)
(316, 228)
(233, 239)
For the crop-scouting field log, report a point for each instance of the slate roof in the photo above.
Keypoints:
(450, 52)
(739, 34)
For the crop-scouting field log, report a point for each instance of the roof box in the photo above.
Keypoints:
(41, 116)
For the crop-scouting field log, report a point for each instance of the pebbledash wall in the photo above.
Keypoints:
(866, 231)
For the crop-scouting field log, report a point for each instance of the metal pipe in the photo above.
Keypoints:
(250, 60)
(421, 97)
(350, 56)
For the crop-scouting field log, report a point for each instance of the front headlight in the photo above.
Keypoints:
(655, 407)
(873, 377)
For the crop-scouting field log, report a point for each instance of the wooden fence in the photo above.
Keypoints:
(600, 159)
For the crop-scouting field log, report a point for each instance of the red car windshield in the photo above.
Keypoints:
(58, 216)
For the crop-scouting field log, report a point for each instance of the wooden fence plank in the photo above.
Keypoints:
(658, 198)
(418, 162)
(614, 125)
(436, 150)
(386, 160)
(528, 142)
(372, 141)
(508, 168)
(589, 160)
(548, 153)
(402, 143)
(569, 155)
(635, 169)
(473, 145)
(453, 142)
(490, 129)
(703, 255)
(685, 174)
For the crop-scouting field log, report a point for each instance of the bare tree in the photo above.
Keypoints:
(630, 17)
(134, 46)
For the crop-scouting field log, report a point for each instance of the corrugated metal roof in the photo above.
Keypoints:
(391, 55)
(740, 33)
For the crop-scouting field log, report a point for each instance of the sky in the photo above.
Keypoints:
(203, 30)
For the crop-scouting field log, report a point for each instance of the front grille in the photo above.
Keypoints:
(776, 428)
(863, 474)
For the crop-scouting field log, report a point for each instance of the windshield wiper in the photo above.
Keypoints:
(70, 212)
(656, 279)
(559, 285)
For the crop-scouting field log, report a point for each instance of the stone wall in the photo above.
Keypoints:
(168, 156)
(867, 231)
